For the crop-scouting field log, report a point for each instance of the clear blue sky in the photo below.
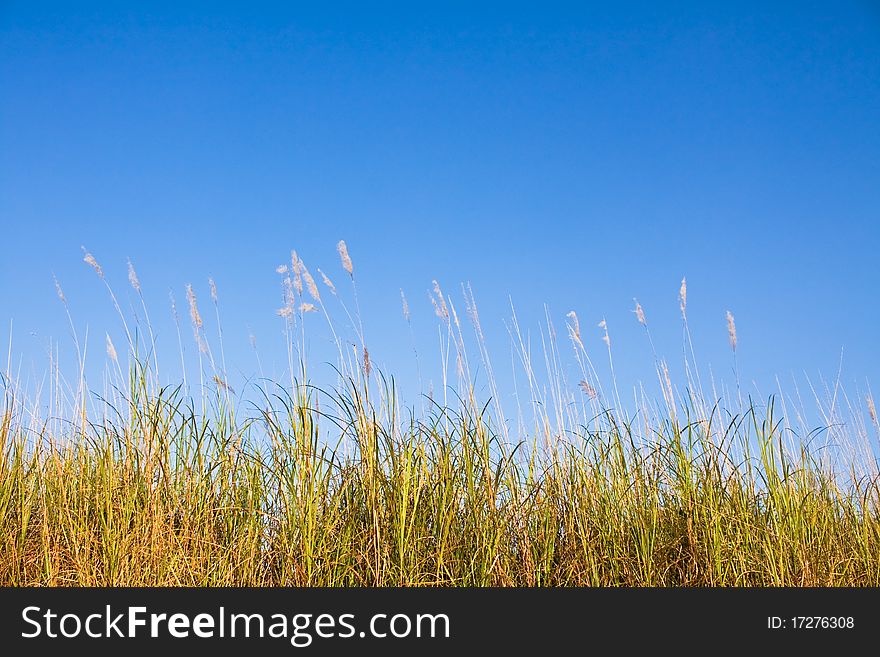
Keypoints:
(576, 155)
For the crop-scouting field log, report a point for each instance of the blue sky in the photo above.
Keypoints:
(574, 155)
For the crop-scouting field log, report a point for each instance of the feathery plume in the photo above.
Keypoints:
(605, 338)
(310, 284)
(194, 315)
(405, 305)
(213, 287)
(344, 257)
(281, 269)
(133, 277)
(286, 312)
(367, 365)
(589, 390)
(89, 259)
(222, 384)
(872, 410)
(640, 314)
(440, 306)
(58, 290)
(683, 298)
(668, 383)
(173, 306)
(328, 282)
(307, 307)
(111, 350)
(297, 265)
(576, 325)
(731, 330)
(289, 296)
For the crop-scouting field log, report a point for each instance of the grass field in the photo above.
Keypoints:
(289, 484)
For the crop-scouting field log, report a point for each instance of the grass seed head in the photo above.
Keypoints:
(310, 284)
(731, 330)
(589, 390)
(440, 307)
(111, 350)
(405, 305)
(58, 290)
(683, 298)
(344, 257)
(297, 267)
(640, 314)
(89, 259)
(575, 325)
(133, 277)
(328, 282)
(194, 315)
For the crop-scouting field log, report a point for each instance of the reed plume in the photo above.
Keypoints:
(111, 350)
(344, 257)
(297, 267)
(89, 259)
(575, 326)
(589, 390)
(405, 305)
(133, 278)
(328, 282)
(640, 314)
(194, 315)
(683, 297)
(731, 330)
(310, 284)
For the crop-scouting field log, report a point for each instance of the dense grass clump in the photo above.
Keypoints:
(170, 497)
(344, 487)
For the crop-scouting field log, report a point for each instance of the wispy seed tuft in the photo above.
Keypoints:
(405, 305)
(111, 350)
(576, 325)
(731, 330)
(605, 338)
(344, 257)
(133, 277)
(58, 290)
(194, 315)
(328, 282)
(297, 266)
(683, 298)
(89, 259)
(310, 284)
(589, 390)
(640, 314)
(440, 307)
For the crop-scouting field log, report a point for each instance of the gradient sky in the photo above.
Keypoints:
(578, 156)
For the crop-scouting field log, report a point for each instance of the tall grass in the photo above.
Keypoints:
(342, 486)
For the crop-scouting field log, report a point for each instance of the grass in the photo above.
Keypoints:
(301, 486)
